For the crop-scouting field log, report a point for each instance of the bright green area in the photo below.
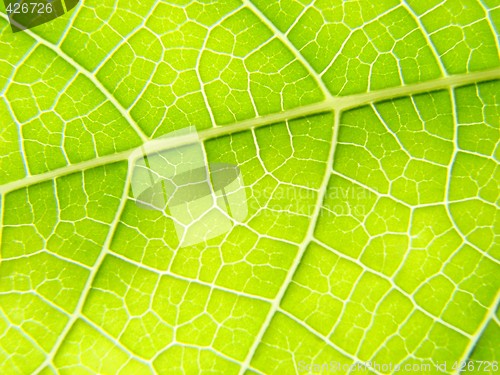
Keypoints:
(372, 238)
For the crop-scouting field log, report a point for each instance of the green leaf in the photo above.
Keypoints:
(360, 225)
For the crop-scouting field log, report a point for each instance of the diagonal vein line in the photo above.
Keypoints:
(88, 285)
(80, 69)
(298, 257)
(176, 276)
(283, 38)
(490, 315)
(495, 30)
(430, 43)
(328, 342)
(336, 104)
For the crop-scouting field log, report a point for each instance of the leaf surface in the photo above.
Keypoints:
(367, 135)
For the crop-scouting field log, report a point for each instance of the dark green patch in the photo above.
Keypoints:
(26, 14)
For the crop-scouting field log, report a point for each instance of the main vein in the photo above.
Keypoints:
(338, 104)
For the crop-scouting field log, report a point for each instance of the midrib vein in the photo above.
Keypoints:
(337, 104)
